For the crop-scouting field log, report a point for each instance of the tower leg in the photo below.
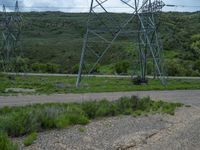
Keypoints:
(82, 60)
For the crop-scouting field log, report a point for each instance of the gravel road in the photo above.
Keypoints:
(191, 97)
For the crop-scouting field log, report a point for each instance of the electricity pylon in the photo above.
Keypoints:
(11, 32)
(103, 29)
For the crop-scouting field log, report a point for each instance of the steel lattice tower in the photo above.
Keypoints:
(11, 32)
(105, 29)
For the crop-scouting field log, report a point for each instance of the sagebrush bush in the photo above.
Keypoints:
(90, 109)
(106, 108)
(18, 123)
(126, 104)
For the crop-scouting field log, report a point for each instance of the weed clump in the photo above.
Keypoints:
(6, 143)
(30, 139)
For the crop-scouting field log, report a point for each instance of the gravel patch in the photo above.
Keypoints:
(183, 135)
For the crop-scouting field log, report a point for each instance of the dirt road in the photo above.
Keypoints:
(191, 97)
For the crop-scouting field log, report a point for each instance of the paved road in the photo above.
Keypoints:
(191, 97)
(99, 76)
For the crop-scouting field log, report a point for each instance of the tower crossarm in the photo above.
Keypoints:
(151, 7)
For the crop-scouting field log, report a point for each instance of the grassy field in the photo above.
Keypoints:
(52, 85)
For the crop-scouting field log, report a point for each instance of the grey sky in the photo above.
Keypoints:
(74, 5)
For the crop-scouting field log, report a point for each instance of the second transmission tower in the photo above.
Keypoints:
(104, 28)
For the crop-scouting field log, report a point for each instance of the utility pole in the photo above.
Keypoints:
(103, 29)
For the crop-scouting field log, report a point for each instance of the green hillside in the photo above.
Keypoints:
(52, 42)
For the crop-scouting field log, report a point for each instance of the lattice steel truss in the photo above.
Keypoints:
(104, 28)
(11, 32)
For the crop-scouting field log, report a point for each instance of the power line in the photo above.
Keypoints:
(85, 7)
(80, 7)
(170, 5)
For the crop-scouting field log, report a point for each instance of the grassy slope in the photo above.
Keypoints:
(57, 37)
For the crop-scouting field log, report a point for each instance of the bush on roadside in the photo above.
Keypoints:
(30, 139)
(106, 108)
(18, 121)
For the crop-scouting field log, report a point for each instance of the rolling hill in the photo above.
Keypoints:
(52, 41)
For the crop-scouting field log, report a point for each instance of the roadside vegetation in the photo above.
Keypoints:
(27, 120)
(52, 85)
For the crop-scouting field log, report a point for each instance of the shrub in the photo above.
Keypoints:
(62, 121)
(78, 119)
(177, 68)
(30, 139)
(144, 104)
(106, 108)
(137, 113)
(47, 117)
(169, 108)
(138, 80)
(5, 143)
(75, 69)
(126, 105)
(122, 67)
(90, 109)
(197, 65)
(46, 68)
(18, 123)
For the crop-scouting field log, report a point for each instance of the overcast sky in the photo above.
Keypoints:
(83, 5)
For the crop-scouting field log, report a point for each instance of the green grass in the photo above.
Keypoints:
(82, 130)
(19, 121)
(51, 85)
(30, 139)
(6, 143)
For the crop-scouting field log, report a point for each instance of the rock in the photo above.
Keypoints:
(61, 145)
(20, 90)
(132, 140)
(60, 85)
(87, 139)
